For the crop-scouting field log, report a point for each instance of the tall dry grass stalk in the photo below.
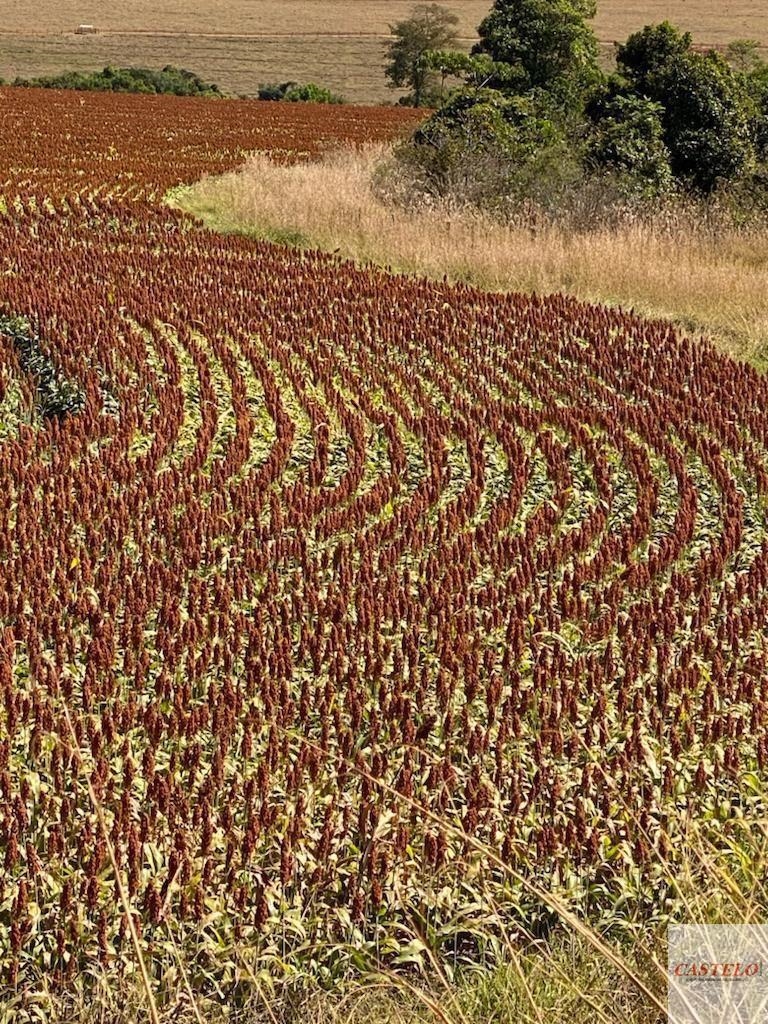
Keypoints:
(706, 279)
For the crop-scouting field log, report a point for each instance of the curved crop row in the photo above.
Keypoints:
(352, 571)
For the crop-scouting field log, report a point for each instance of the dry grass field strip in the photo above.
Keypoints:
(706, 280)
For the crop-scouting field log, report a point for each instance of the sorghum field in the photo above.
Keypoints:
(333, 581)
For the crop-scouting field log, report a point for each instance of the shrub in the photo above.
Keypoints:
(274, 92)
(704, 107)
(293, 92)
(311, 93)
(485, 148)
(169, 80)
(629, 141)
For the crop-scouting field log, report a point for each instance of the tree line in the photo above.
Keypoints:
(530, 107)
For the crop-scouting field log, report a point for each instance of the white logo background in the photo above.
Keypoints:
(731, 987)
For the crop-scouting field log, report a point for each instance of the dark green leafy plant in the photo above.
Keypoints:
(56, 396)
(745, 58)
(535, 115)
(169, 80)
(629, 141)
(548, 42)
(486, 148)
(478, 71)
(294, 92)
(647, 55)
(704, 107)
(513, 130)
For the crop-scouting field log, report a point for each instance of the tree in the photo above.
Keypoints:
(647, 55)
(512, 131)
(629, 141)
(548, 43)
(476, 71)
(707, 128)
(430, 27)
(705, 107)
(536, 116)
(744, 55)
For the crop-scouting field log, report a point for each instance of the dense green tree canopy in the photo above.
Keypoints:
(649, 53)
(670, 119)
(629, 140)
(548, 42)
(705, 111)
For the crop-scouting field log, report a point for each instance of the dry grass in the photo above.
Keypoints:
(708, 281)
(565, 984)
(241, 43)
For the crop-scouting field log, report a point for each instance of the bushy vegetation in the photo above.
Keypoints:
(533, 116)
(293, 92)
(169, 80)
(703, 107)
(546, 44)
(55, 395)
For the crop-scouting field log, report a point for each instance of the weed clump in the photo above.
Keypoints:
(56, 395)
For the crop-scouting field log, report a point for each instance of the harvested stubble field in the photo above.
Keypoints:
(242, 43)
(347, 597)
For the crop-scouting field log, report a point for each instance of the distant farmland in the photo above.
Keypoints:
(240, 44)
